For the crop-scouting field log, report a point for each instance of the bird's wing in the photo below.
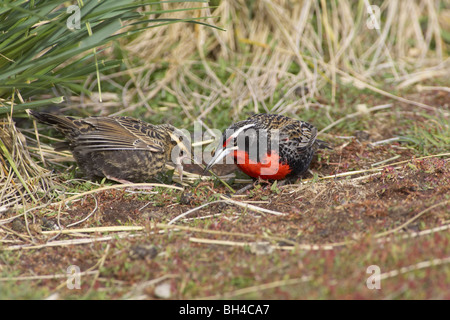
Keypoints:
(298, 135)
(117, 133)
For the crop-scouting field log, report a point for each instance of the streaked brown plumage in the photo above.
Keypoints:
(273, 146)
(122, 149)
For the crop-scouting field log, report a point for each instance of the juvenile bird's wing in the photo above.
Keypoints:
(117, 133)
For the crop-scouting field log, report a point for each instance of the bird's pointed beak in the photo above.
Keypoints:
(218, 155)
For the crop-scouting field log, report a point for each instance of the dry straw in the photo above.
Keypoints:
(328, 42)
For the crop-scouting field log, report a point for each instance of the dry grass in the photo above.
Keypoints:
(282, 49)
(23, 182)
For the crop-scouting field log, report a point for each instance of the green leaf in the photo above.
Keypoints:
(31, 105)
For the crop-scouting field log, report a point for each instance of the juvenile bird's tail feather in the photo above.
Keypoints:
(61, 122)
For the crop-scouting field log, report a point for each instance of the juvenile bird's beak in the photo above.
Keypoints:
(179, 168)
(185, 147)
(219, 155)
(179, 165)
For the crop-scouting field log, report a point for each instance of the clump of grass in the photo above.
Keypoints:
(22, 180)
(49, 45)
(430, 136)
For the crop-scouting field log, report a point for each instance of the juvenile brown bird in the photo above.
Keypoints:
(122, 149)
(269, 146)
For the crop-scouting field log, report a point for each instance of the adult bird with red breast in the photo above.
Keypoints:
(122, 149)
(269, 146)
